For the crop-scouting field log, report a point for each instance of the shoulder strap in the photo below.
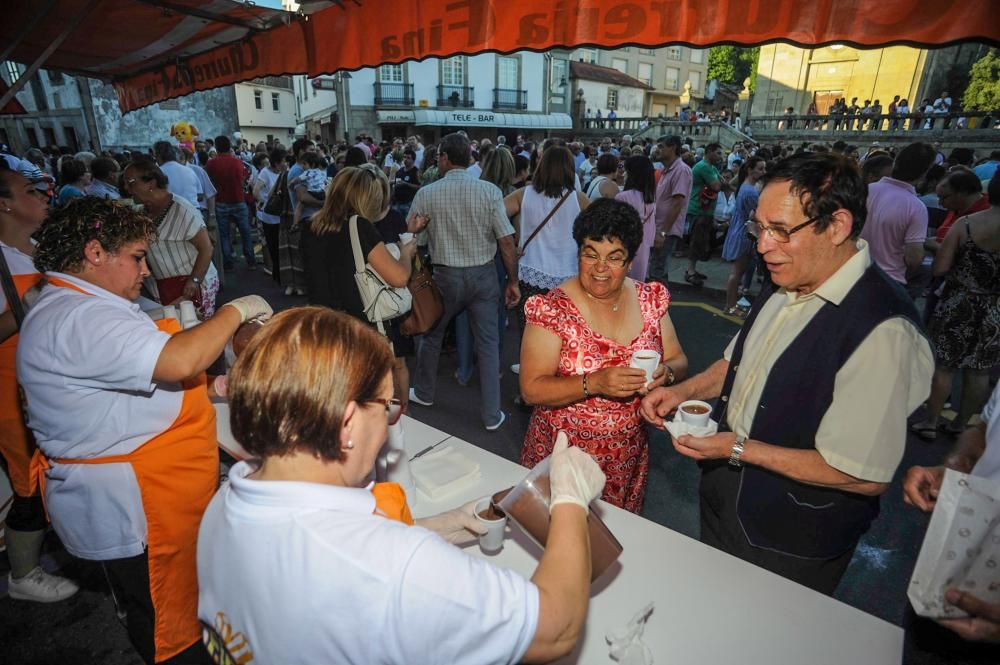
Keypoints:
(596, 182)
(547, 218)
(359, 261)
(10, 290)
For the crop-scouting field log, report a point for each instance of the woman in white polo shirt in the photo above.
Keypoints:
(118, 404)
(300, 561)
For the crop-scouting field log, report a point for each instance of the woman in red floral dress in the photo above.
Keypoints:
(576, 350)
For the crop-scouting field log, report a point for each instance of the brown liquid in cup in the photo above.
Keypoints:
(492, 513)
(695, 409)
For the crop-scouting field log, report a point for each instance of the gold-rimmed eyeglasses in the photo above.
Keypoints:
(616, 262)
(393, 408)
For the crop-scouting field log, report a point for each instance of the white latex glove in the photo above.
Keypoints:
(574, 475)
(456, 526)
(250, 308)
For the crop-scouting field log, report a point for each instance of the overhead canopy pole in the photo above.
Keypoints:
(17, 85)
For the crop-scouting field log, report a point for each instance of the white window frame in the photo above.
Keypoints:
(589, 55)
(677, 79)
(696, 86)
(453, 71)
(503, 60)
(612, 99)
(648, 80)
(13, 71)
(620, 61)
(674, 52)
(391, 74)
(697, 56)
(276, 102)
(559, 70)
(258, 100)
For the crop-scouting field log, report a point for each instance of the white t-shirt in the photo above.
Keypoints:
(205, 186)
(988, 465)
(86, 364)
(268, 177)
(309, 574)
(181, 181)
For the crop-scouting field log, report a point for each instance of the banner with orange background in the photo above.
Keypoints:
(350, 37)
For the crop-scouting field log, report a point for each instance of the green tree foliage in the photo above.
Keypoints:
(731, 64)
(983, 92)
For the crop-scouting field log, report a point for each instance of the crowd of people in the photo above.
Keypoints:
(573, 239)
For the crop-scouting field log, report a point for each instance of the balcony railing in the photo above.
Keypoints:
(393, 94)
(510, 99)
(884, 122)
(456, 96)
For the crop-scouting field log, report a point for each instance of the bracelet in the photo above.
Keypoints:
(586, 391)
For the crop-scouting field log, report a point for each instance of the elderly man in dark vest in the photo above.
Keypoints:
(814, 390)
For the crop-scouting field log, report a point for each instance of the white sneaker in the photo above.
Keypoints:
(41, 587)
(289, 290)
(516, 368)
(503, 419)
(744, 303)
(417, 400)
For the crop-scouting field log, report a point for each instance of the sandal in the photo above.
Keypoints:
(925, 431)
(692, 278)
(948, 429)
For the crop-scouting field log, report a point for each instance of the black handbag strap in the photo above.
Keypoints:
(546, 220)
(10, 290)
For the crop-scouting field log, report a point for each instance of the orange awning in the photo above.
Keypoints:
(154, 50)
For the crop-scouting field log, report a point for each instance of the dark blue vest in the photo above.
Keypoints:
(778, 513)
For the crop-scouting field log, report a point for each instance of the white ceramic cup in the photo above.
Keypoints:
(491, 541)
(696, 419)
(405, 238)
(189, 315)
(647, 361)
(170, 312)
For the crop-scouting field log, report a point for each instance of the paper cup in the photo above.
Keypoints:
(647, 361)
(170, 312)
(189, 315)
(695, 419)
(405, 238)
(491, 541)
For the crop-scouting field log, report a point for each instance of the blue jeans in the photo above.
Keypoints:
(476, 291)
(225, 213)
(463, 329)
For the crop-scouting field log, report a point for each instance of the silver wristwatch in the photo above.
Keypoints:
(196, 280)
(737, 451)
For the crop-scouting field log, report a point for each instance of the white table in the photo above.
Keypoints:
(710, 607)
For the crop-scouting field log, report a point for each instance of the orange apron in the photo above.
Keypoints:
(390, 502)
(178, 473)
(16, 444)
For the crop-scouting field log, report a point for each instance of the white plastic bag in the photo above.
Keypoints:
(961, 548)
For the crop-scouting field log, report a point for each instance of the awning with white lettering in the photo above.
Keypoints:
(474, 118)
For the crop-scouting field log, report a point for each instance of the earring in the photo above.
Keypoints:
(349, 445)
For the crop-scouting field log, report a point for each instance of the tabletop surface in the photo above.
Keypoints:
(710, 607)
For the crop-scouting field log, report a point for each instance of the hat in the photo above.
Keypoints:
(35, 175)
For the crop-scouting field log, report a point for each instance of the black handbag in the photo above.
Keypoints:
(278, 202)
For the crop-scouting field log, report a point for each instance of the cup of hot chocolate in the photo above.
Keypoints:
(405, 238)
(646, 360)
(695, 413)
(495, 522)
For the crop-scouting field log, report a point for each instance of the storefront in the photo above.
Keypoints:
(431, 124)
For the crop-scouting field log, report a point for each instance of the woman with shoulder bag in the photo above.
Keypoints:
(363, 193)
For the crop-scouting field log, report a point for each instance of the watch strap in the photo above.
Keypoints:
(737, 451)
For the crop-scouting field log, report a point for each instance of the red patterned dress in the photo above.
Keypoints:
(611, 430)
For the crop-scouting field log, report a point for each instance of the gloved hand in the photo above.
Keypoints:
(456, 526)
(251, 307)
(574, 476)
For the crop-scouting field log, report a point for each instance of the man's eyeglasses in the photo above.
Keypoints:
(393, 408)
(616, 262)
(779, 233)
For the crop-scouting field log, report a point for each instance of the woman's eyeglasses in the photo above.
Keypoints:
(778, 233)
(616, 262)
(393, 408)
